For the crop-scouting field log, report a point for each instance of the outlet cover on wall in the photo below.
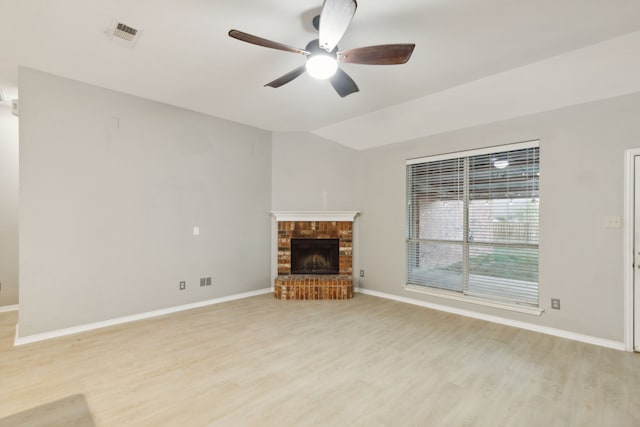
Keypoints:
(613, 222)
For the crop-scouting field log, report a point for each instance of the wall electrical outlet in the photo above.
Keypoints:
(555, 303)
(361, 273)
(183, 286)
(208, 281)
(613, 222)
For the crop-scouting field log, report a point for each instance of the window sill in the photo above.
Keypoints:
(535, 311)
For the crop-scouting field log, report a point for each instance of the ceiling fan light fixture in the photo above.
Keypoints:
(323, 54)
(321, 66)
(500, 163)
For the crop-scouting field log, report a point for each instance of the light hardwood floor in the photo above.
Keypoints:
(361, 362)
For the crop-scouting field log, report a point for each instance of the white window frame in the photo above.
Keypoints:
(457, 296)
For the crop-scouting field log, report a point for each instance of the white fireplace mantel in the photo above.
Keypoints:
(314, 215)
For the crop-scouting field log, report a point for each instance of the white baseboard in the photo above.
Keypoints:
(132, 318)
(6, 308)
(501, 320)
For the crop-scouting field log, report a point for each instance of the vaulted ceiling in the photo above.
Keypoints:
(184, 57)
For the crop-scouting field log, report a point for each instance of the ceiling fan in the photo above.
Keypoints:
(323, 54)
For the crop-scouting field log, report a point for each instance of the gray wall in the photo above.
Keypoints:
(111, 188)
(581, 182)
(8, 206)
(311, 173)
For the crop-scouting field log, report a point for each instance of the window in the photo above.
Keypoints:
(473, 223)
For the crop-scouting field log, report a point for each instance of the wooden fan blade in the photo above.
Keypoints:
(386, 54)
(343, 84)
(287, 77)
(245, 37)
(335, 18)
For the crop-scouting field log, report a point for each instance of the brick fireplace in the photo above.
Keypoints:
(308, 279)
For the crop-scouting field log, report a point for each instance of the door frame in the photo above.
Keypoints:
(628, 241)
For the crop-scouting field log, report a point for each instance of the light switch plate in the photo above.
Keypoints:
(196, 231)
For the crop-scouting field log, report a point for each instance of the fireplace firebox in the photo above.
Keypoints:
(315, 256)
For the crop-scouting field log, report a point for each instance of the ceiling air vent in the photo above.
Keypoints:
(123, 33)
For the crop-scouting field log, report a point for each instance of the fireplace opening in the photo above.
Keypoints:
(315, 256)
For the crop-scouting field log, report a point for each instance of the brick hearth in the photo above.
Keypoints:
(300, 286)
(331, 286)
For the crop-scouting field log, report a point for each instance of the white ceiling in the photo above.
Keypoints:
(184, 57)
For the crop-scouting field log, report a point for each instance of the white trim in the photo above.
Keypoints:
(476, 152)
(315, 215)
(628, 238)
(7, 308)
(135, 317)
(501, 320)
(274, 251)
(536, 311)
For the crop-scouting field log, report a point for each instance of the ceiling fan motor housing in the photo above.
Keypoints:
(313, 47)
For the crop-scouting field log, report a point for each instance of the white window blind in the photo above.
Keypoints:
(473, 223)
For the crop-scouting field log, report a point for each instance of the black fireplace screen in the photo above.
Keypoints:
(315, 256)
